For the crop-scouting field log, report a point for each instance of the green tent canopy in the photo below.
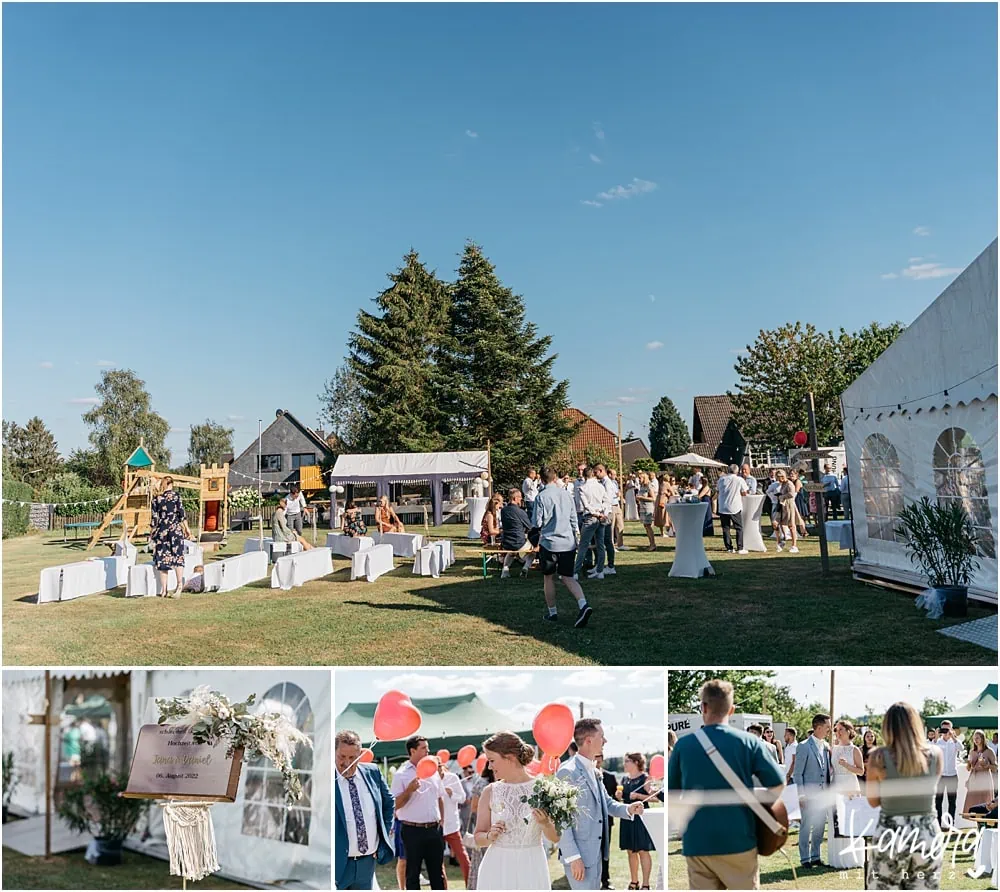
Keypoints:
(139, 459)
(95, 707)
(980, 712)
(448, 723)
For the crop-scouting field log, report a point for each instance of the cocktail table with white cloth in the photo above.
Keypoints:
(753, 506)
(372, 562)
(690, 559)
(345, 546)
(296, 569)
(840, 531)
(477, 508)
(403, 544)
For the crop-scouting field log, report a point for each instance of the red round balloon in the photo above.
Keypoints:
(550, 764)
(534, 767)
(800, 438)
(444, 756)
(427, 767)
(395, 716)
(480, 764)
(553, 727)
(366, 756)
(466, 755)
(656, 767)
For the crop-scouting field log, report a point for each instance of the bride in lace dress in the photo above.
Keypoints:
(848, 766)
(512, 829)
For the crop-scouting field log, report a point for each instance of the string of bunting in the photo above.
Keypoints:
(63, 504)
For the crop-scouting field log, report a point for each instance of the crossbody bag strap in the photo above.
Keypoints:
(738, 786)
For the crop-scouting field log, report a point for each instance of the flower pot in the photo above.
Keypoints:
(954, 600)
(104, 852)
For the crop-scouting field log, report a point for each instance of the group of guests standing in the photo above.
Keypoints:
(903, 770)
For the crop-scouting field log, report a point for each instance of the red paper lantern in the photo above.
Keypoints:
(800, 438)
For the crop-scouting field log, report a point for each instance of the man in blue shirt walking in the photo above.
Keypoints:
(555, 516)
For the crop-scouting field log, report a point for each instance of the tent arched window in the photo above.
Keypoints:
(960, 476)
(265, 812)
(882, 482)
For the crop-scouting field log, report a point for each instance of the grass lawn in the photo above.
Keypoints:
(71, 871)
(778, 605)
(776, 871)
(619, 870)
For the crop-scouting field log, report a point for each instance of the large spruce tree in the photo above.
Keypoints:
(395, 355)
(668, 434)
(506, 392)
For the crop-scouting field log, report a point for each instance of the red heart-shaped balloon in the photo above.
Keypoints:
(395, 716)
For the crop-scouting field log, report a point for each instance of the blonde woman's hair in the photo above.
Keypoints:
(383, 501)
(903, 733)
(507, 743)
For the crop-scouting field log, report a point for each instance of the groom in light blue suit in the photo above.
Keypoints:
(812, 776)
(587, 842)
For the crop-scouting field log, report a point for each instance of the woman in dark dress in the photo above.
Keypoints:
(633, 836)
(869, 742)
(168, 529)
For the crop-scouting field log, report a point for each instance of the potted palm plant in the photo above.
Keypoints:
(95, 807)
(941, 540)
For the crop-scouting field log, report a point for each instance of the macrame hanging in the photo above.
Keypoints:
(190, 839)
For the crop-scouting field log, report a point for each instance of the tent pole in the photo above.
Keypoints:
(48, 764)
(489, 465)
(824, 551)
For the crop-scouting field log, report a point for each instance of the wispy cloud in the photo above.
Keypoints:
(595, 159)
(930, 271)
(915, 260)
(737, 351)
(636, 187)
(84, 401)
(589, 678)
(422, 684)
(639, 389)
(45, 364)
(921, 230)
(472, 134)
(652, 298)
(626, 400)
(235, 418)
(105, 364)
(890, 275)
(598, 130)
(654, 345)
(592, 204)
(180, 430)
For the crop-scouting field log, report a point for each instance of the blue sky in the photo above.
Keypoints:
(207, 194)
(629, 702)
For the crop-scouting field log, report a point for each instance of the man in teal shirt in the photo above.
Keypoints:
(720, 841)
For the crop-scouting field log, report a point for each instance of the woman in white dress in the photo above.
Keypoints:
(848, 766)
(512, 829)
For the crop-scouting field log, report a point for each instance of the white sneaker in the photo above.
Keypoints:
(593, 574)
(610, 571)
(743, 551)
(624, 548)
(505, 573)
(781, 546)
(793, 550)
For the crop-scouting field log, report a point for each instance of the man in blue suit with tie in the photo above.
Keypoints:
(812, 776)
(364, 808)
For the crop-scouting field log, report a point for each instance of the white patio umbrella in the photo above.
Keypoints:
(693, 460)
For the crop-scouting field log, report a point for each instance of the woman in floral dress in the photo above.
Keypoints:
(168, 529)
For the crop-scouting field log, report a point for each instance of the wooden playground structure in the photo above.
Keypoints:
(142, 482)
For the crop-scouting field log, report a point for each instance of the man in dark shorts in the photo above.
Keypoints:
(555, 516)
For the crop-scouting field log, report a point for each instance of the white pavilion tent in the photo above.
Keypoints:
(922, 421)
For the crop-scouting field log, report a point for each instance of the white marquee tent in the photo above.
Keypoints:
(259, 840)
(922, 421)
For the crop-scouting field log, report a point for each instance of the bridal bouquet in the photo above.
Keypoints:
(211, 718)
(557, 798)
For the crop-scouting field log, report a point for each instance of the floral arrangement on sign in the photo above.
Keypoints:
(212, 718)
(244, 499)
(555, 797)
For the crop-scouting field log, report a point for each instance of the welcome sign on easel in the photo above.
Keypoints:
(169, 764)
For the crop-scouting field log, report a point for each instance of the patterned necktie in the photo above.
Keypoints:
(359, 818)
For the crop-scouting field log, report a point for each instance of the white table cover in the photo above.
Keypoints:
(477, 508)
(345, 546)
(752, 508)
(270, 547)
(690, 560)
(116, 569)
(855, 817)
(142, 582)
(235, 572)
(194, 556)
(126, 549)
(446, 553)
(48, 584)
(372, 562)
(986, 856)
(427, 561)
(296, 569)
(655, 821)
(840, 531)
(790, 796)
(403, 544)
(82, 578)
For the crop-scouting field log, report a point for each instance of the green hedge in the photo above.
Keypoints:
(15, 517)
